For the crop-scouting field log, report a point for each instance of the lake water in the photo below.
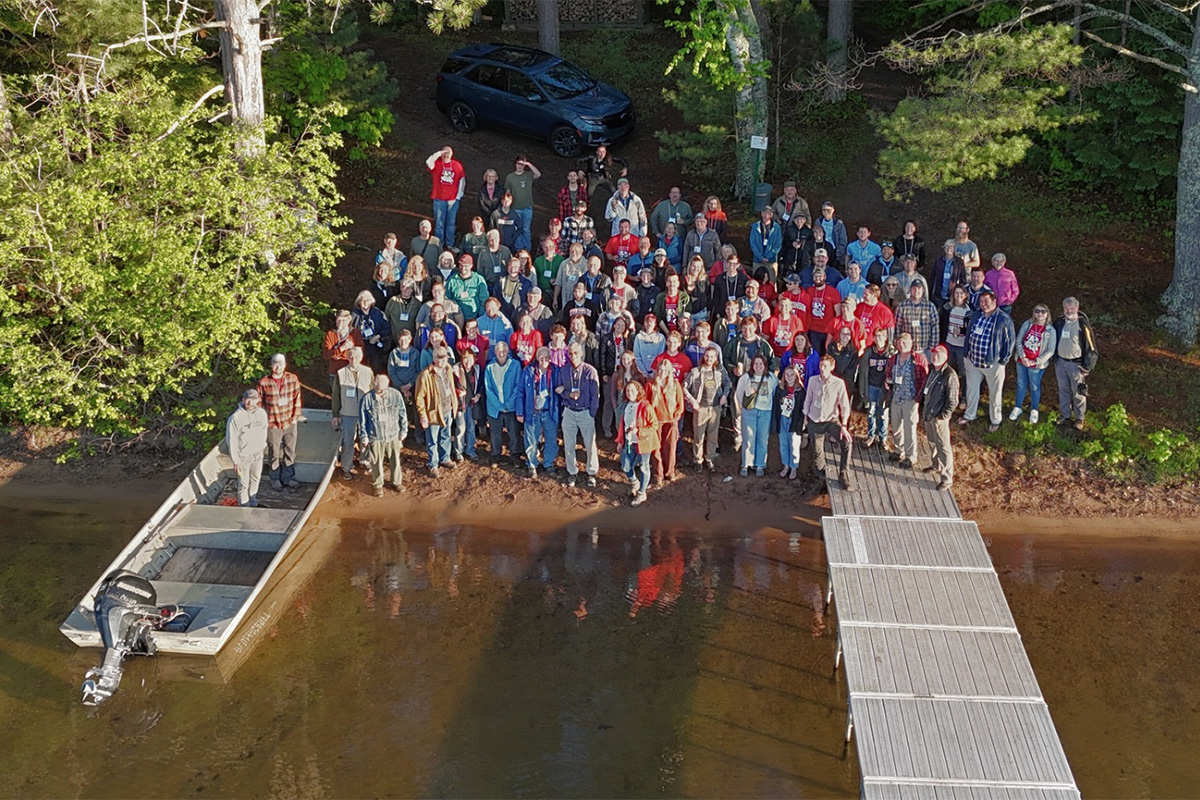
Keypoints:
(471, 663)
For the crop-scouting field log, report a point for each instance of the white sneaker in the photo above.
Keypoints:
(1033, 417)
(1016, 413)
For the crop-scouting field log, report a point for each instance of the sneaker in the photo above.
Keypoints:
(1033, 417)
(399, 488)
(379, 491)
(993, 428)
(591, 481)
(633, 489)
(1016, 414)
(638, 499)
(533, 472)
(459, 458)
(758, 473)
(435, 472)
(744, 472)
(571, 481)
(450, 465)
(277, 485)
(870, 442)
(253, 503)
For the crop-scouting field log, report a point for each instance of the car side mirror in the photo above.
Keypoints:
(534, 98)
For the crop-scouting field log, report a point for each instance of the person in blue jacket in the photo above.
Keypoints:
(539, 412)
(835, 231)
(500, 379)
(766, 240)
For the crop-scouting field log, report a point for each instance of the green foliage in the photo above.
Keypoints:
(629, 60)
(316, 70)
(826, 142)
(988, 95)
(906, 16)
(704, 26)
(1119, 448)
(139, 264)
(454, 15)
(704, 144)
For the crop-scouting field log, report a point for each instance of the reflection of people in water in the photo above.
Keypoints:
(662, 581)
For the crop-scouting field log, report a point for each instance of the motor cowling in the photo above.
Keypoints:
(127, 614)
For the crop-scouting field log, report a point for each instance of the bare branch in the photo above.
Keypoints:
(1125, 51)
(1135, 23)
(220, 87)
(1174, 10)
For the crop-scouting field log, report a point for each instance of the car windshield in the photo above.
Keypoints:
(565, 80)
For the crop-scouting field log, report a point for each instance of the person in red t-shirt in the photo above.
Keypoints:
(674, 355)
(822, 301)
(874, 314)
(795, 293)
(847, 319)
(474, 341)
(525, 341)
(449, 181)
(781, 329)
(620, 247)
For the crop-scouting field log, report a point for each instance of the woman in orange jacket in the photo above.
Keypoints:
(638, 438)
(666, 393)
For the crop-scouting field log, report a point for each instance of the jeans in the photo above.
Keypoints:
(525, 234)
(496, 424)
(876, 413)
(350, 433)
(789, 443)
(817, 340)
(437, 444)
(1029, 378)
(444, 212)
(631, 459)
(756, 433)
(463, 437)
(541, 426)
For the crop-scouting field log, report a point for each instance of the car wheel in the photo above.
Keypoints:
(565, 141)
(463, 118)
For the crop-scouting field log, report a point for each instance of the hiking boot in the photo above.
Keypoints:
(638, 499)
(1078, 425)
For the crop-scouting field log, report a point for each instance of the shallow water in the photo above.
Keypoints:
(471, 663)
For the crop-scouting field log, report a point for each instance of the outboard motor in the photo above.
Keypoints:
(127, 614)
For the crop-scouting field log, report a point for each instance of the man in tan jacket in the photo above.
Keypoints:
(351, 382)
(437, 406)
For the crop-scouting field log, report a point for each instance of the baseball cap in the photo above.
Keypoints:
(660, 251)
(941, 348)
(793, 278)
(887, 243)
(250, 394)
(622, 180)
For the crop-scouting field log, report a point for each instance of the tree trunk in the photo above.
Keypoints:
(1182, 298)
(241, 60)
(840, 29)
(6, 126)
(547, 15)
(746, 52)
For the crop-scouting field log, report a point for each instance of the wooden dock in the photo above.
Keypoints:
(942, 701)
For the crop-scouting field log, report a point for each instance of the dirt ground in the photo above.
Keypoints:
(989, 483)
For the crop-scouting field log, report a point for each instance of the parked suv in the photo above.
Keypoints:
(531, 92)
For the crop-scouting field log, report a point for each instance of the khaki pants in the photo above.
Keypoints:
(903, 415)
(389, 451)
(938, 433)
(706, 423)
(664, 457)
(580, 425)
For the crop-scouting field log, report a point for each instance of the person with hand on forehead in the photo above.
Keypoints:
(449, 183)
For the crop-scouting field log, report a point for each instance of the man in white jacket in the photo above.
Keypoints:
(246, 430)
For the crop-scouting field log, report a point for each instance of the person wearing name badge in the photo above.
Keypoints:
(353, 381)
(279, 392)
(538, 412)
(766, 240)
(790, 205)
(673, 210)
(519, 184)
(907, 371)
(449, 183)
(384, 420)
(702, 241)
(404, 365)
(579, 389)
(937, 406)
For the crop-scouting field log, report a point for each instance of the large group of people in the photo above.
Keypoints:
(540, 336)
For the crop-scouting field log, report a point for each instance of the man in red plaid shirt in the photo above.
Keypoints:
(280, 393)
